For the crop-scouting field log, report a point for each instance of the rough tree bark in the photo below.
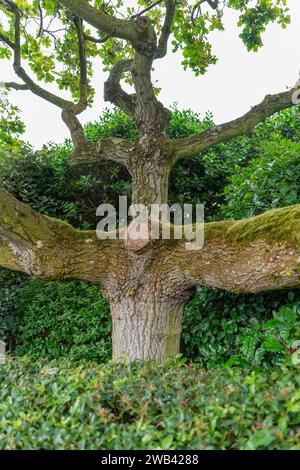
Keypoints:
(147, 287)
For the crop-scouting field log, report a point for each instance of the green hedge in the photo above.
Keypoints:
(145, 406)
(270, 180)
(62, 319)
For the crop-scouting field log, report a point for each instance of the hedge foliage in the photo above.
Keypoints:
(145, 406)
(63, 319)
(222, 328)
(269, 181)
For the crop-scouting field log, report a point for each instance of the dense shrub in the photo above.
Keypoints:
(10, 283)
(62, 319)
(221, 328)
(146, 406)
(283, 125)
(45, 180)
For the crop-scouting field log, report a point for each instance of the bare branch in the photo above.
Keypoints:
(191, 146)
(197, 8)
(112, 148)
(41, 28)
(69, 109)
(15, 86)
(82, 105)
(76, 130)
(166, 29)
(32, 86)
(141, 13)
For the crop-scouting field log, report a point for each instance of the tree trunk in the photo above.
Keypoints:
(150, 167)
(147, 287)
(150, 185)
(145, 327)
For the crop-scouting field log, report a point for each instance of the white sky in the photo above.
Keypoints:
(238, 81)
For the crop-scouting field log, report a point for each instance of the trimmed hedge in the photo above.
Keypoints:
(146, 406)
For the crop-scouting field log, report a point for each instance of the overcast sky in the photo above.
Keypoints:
(238, 81)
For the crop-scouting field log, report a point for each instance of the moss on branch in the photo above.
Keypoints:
(277, 225)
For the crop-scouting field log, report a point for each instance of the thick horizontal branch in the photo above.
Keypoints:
(252, 255)
(48, 248)
(111, 148)
(191, 146)
(257, 254)
(113, 27)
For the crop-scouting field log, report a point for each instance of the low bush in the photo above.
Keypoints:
(62, 319)
(145, 406)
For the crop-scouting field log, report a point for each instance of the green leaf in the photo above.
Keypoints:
(261, 438)
(167, 441)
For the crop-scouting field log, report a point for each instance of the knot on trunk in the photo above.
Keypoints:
(142, 22)
(138, 235)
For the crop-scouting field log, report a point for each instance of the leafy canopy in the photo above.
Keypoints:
(49, 45)
(11, 127)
